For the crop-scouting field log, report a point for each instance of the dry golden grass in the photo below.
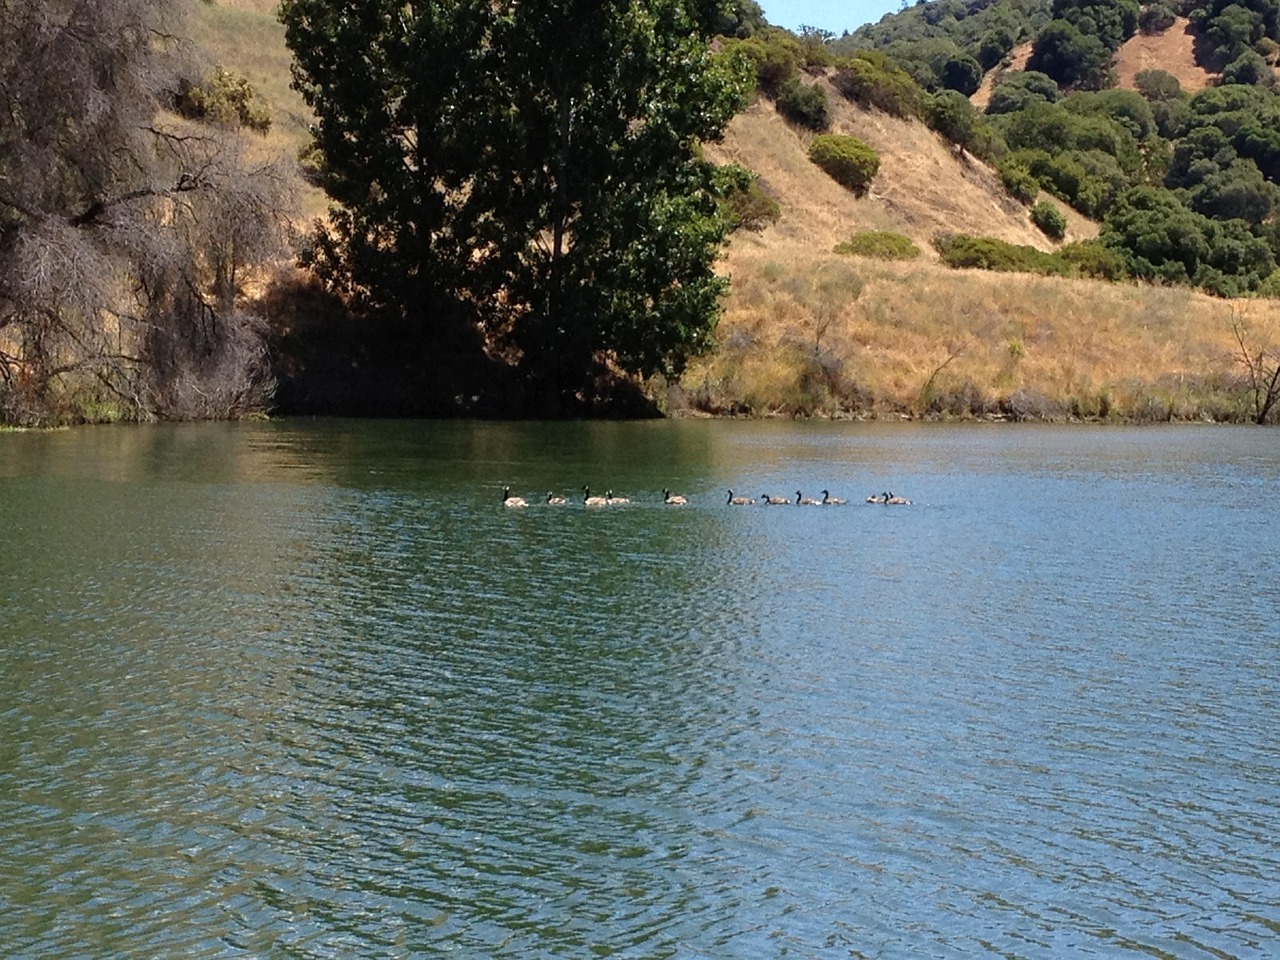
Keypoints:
(1171, 51)
(245, 36)
(810, 333)
(924, 186)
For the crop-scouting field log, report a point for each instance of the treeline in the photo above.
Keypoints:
(1185, 186)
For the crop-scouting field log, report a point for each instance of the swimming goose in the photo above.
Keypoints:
(673, 499)
(555, 501)
(806, 501)
(829, 501)
(740, 501)
(591, 501)
(509, 501)
(891, 498)
(611, 499)
(774, 501)
(878, 498)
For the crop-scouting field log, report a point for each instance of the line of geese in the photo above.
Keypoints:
(677, 500)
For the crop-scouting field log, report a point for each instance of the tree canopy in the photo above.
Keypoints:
(523, 173)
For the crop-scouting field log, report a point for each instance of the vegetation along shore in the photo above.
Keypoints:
(973, 209)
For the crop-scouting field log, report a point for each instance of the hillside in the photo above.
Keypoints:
(1172, 51)
(924, 185)
(807, 331)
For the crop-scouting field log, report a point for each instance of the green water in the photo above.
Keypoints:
(308, 689)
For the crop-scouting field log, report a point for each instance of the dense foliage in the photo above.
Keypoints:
(847, 160)
(880, 245)
(525, 174)
(1051, 221)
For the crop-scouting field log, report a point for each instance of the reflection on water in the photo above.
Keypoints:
(309, 690)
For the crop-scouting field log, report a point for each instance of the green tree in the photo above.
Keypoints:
(1072, 58)
(526, 171)
(1018, 89)
(961, 73)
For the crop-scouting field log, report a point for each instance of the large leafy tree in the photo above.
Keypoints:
(523, 170)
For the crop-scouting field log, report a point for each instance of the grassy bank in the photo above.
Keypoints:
(836, 336)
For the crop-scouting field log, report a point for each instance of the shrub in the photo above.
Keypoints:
(775, 54)
(1156, 17)
(1022, 87)
(1093, 258)
(805, 104)
(1051, 221)
(880, 244)
(987, 253)
(871, 79)
(1270, 287)
(848, 161)
(223, 97)
(1157, 85)
(744, 204)
(1018, 182)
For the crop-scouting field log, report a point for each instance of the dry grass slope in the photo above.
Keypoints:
(1171, 51)
(810, 332)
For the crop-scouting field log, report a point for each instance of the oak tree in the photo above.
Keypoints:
(523, 173)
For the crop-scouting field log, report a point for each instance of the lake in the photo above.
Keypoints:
(307, 689)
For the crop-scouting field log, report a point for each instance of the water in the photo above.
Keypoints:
(307, 690)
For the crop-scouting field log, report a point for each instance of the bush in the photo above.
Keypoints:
(1051, 221)
(804, 104)
(1092, 258)
(848, 161)
(223, 97)
(775, 54)
(1270, 287)
(880, 244)
(745, 204)
(987, 253)
(1157, 85)
(873, 80)
(1018, 89)
(1156, 17)
(1018, 182)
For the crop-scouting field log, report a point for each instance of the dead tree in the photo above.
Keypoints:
(1262, 367)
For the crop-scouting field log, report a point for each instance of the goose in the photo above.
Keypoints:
(590, 501)
(611, 499)
(806, 501)
(890, 498)
(773, 501)
(673, 499)
(878, 498)
(509, 501)
(555, 501)
(740, 501)
(829, 501)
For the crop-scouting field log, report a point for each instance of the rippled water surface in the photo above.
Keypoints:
(308, 690)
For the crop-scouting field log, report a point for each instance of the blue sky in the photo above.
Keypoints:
(834, 15)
